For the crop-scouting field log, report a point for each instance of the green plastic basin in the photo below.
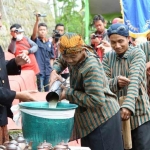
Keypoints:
(38, 128)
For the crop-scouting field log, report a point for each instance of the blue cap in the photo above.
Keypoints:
(118, 28)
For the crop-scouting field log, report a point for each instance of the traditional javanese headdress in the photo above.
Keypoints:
(71, 43)
(118, 28)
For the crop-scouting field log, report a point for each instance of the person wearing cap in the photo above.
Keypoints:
(125, 68)
(7, 96)
(22, 44)
(97, 118)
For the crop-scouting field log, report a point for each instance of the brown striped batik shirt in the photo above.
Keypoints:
(146, 48)
(133, 66)
(89, 89)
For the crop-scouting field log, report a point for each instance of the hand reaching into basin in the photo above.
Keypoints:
(25, 96)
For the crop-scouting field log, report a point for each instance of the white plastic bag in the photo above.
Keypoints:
(49, 114)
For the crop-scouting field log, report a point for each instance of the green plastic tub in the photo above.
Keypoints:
(41, 123)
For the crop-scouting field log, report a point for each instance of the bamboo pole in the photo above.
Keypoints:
(126, 129)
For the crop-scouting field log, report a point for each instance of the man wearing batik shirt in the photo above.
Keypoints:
(146, 48)
(97, 118)
(125, 68)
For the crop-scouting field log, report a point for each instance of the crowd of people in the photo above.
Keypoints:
(111, 68)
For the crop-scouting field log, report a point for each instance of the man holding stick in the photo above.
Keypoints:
(97, 118)
(125, 68)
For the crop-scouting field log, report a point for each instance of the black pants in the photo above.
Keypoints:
(106, 137)
(141, 137)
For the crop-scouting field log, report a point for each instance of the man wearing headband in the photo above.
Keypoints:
(125, 68)
(97, 118)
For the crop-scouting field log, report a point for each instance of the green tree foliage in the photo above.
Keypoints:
(22, 12)
(70, 17)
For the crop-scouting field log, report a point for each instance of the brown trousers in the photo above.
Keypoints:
(4, 136)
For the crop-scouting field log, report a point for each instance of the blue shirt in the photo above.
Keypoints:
(43, 55)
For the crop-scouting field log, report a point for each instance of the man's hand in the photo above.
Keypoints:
(25, 96)
(148, 68)
(123, 81)
(24, 51)
(22, 59)
(104, 43)
(63, 93)
(125, 114)
(54, 77)
(95, 41)
(105, 46)
(37, 17)
(101, 47)
(13, 33)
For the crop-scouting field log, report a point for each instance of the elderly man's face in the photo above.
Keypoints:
(0, 20)
(119, 43)
(74, 59)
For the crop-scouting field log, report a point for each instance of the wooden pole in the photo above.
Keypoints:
(126, 129)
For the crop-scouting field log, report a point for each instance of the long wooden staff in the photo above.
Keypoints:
(126, 129)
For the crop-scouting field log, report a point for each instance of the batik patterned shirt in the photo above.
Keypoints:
(89, 89)
(146, 48)
(133, 66)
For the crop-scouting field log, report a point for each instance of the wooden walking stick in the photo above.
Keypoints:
(126, 129)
